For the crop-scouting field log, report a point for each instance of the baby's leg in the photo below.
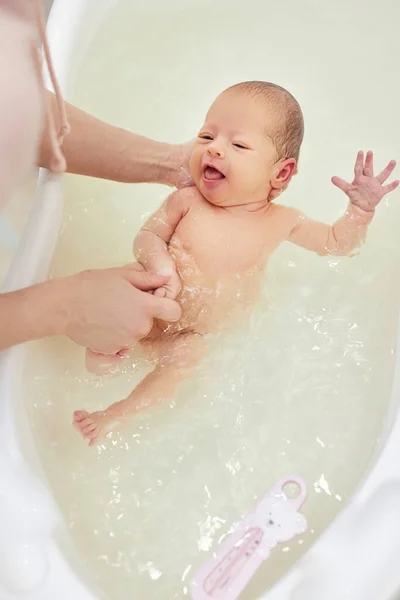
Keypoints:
(181, 354)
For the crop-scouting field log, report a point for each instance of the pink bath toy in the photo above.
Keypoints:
(274, 519)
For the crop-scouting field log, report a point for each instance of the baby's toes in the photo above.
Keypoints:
(79, 416)
(85, 425)
(82, 425)
(89, 430)
(93, 437)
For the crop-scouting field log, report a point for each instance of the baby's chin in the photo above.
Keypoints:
(215, 198)
(218, 196)
(230, 200)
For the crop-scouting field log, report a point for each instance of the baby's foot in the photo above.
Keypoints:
(103, 364)
(92, 426)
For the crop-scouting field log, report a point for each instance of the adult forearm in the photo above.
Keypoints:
(31, 313)
(101, 309)
(97, 149)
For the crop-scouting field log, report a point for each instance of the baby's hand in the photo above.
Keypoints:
(170, 289)
(366, 191)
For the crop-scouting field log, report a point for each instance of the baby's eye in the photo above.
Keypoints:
(239, 145)
(205, 136)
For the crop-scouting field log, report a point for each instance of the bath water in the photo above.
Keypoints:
(300, 387)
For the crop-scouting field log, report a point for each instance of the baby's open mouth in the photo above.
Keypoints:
(212, 174)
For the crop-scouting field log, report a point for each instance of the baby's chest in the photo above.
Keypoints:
(221, 245)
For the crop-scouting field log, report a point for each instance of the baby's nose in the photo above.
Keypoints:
(214, 150)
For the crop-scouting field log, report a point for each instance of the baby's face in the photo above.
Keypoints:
(234, 160)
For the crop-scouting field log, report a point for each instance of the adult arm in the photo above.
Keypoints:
(105, 309)
(98, 149)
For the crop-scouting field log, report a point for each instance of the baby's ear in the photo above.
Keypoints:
(284, 170)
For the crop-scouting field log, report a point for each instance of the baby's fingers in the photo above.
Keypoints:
(386, 189)
(341, 184)
(359, 165)
(387, 171)
(369, 164)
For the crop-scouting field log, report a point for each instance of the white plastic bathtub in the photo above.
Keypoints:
(356, 557)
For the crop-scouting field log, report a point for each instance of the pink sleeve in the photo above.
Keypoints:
(345, 235)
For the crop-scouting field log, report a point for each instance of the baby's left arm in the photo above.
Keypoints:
(365, 193)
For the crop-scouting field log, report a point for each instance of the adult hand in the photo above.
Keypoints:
(181, 176)
(170, 289)
(109, 309)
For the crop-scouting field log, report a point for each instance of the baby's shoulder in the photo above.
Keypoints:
(284, 219)
(282, 212)
(187, 196)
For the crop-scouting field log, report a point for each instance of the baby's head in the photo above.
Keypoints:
(248, 148)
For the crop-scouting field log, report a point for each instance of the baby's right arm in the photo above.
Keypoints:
(151, 243)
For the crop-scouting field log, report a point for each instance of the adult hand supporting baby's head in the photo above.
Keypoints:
(180, 176)
(110, 309)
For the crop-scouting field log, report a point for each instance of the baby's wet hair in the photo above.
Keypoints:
(288, 135)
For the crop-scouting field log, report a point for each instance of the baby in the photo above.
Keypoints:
(215, 238)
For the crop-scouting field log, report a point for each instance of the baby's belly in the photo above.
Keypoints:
(209, 303)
